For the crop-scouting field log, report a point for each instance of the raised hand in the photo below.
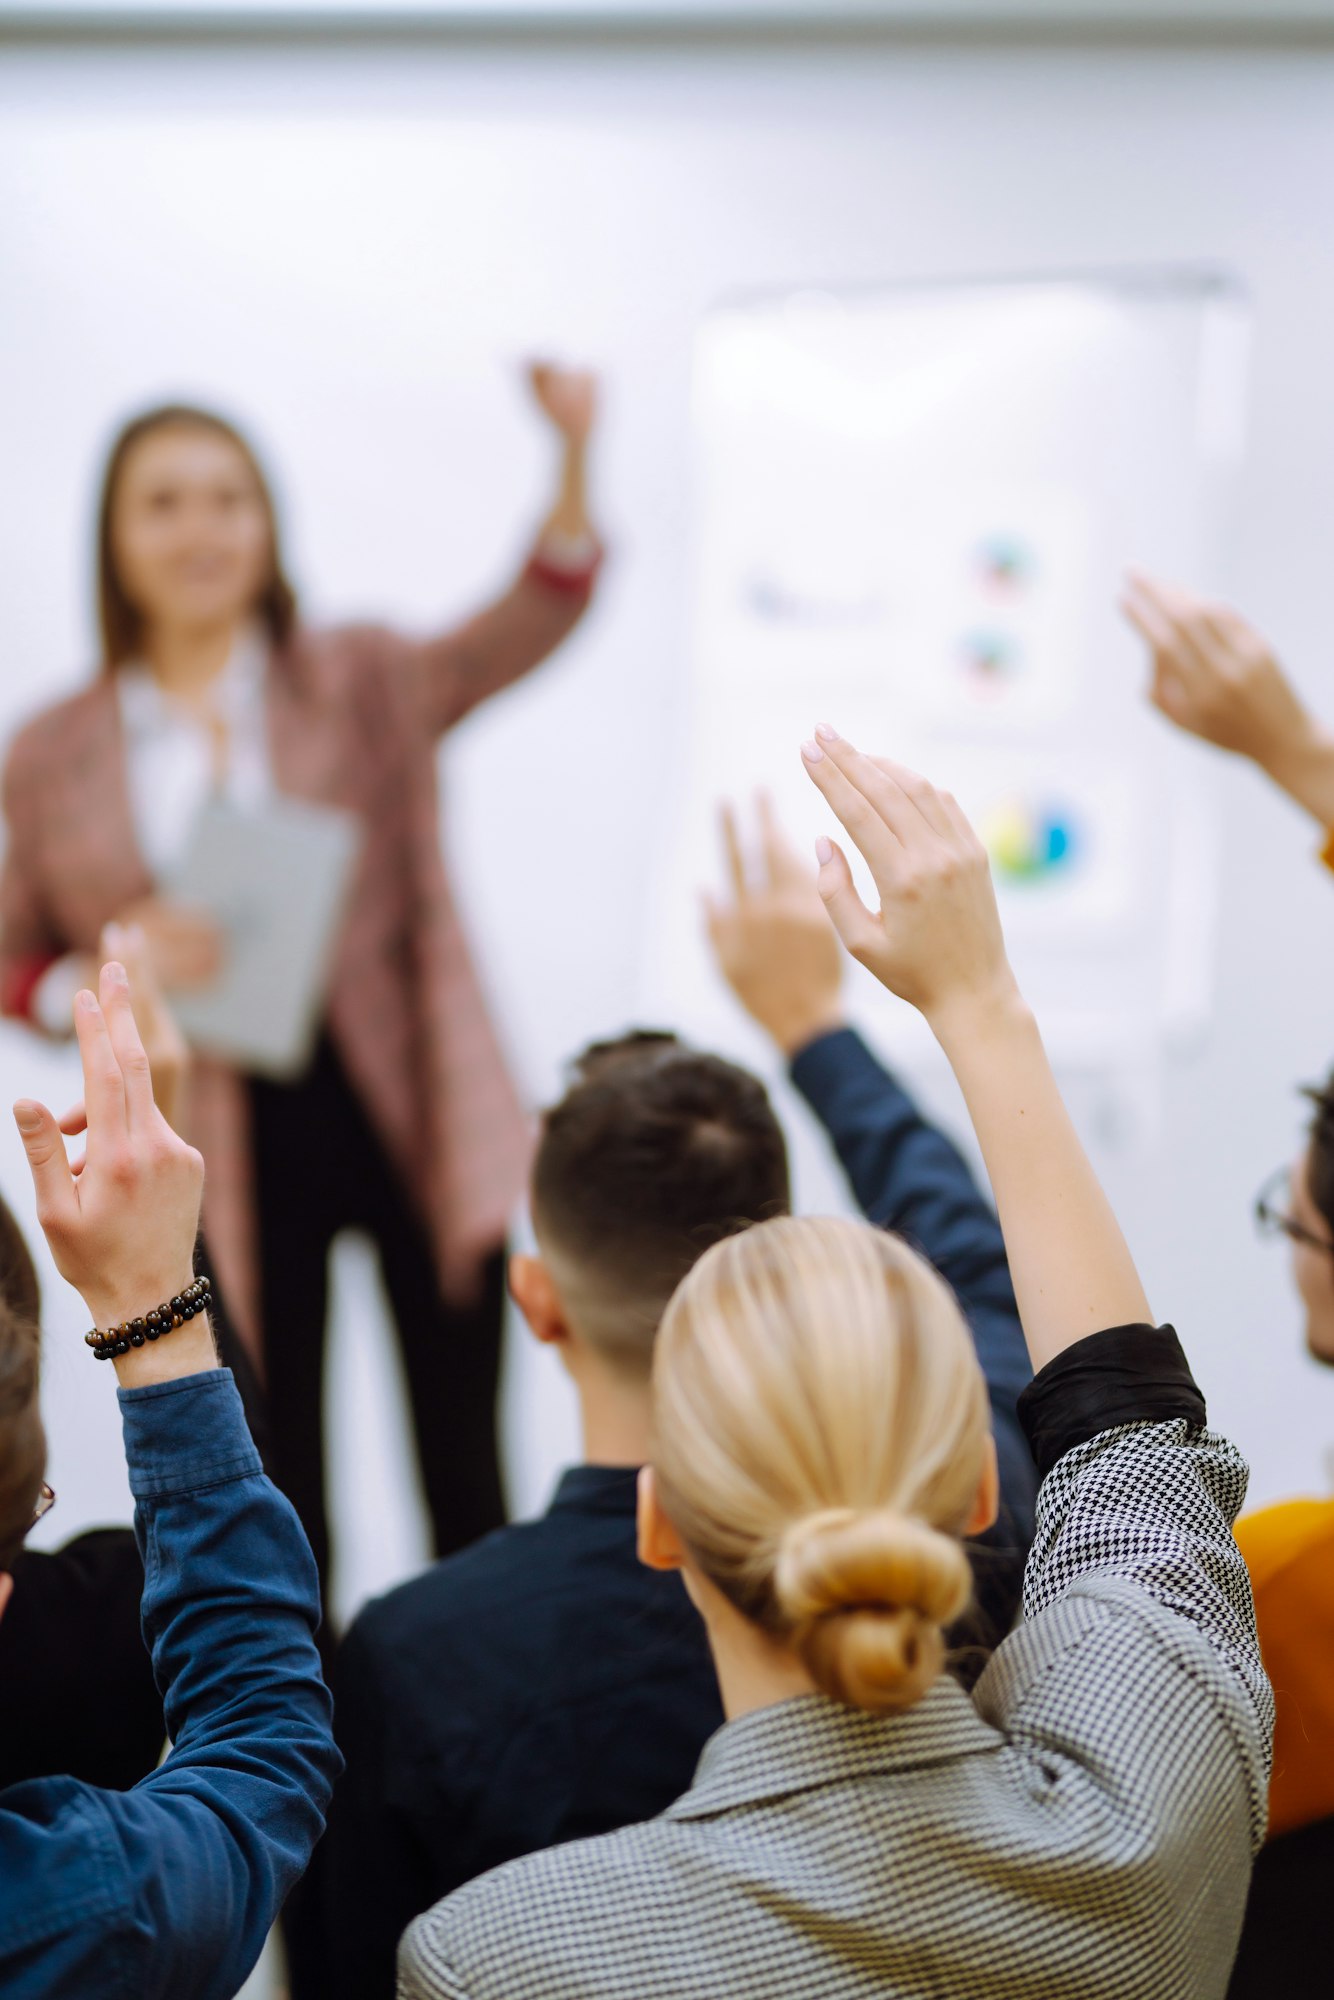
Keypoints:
(122, 1231)
(772, 940)
(936, 939)
(567, 398)
(1214, 676)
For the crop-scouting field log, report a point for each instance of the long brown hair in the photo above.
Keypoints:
(22, 1439)
(122, 626)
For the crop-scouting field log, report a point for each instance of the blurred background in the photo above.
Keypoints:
(350, 226)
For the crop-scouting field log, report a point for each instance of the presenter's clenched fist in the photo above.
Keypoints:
(567, 397)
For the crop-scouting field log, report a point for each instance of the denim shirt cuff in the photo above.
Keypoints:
(184, 1435)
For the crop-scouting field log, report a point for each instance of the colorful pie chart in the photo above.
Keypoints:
(1026, 842)
(1005, 564)
(990, 660)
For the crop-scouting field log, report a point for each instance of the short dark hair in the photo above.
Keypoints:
(655, 1152)
(118, 618)
(1320, 1149)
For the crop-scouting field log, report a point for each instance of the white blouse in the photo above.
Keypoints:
(177, 758)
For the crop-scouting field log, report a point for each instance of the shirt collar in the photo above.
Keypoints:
(597, 1489)
(145, 707)
(810, 1741)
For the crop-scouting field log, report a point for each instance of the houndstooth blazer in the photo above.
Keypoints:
(1081, 1829)
(354, 716)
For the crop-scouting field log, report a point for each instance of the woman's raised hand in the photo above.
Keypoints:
(936, 940)
(122, 1230)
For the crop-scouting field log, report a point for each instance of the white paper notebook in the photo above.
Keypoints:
(276, 882)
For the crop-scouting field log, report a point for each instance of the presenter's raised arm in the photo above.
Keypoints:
(515, 633)
(936, 941)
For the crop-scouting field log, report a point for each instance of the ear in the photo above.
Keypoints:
(534, 1292)
(659, 1544)
(6, 1590)
(986, 1504)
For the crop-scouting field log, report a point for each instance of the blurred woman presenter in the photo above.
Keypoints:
(213, 693)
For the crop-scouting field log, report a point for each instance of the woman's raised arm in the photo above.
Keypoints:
(936, 942)
(515, 633)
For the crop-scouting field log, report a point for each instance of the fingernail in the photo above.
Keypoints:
(812, 752)
(26, 1115)
(119, 976)
(825, 733)
(86, 1001)
(824, 850)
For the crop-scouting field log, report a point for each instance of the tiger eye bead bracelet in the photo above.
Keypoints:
(107, 1344)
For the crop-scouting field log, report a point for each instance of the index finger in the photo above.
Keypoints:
(893, 801)
(136, 1075)
(877, 843)
(103, 1085)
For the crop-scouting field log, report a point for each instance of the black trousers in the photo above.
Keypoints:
(320, 1168)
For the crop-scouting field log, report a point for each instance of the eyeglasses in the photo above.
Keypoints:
(46, 1500)
(1271, 1220)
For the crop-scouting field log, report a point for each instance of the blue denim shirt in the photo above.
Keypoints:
(170, 1889)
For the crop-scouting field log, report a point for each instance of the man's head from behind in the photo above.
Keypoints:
(654, 1153)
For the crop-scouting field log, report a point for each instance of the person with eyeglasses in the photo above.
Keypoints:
(1213, 676)
(1289, 1551)
(170, 1888)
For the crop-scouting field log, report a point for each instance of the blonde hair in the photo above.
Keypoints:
(820, 1436)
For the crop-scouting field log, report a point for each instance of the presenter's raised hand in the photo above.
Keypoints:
(772, 940)
(1214, 676)
(122, 1230)
(567, 397)
(936, 938)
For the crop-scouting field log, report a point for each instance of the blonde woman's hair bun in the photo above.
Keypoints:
(864, 1594)
(821, 1438)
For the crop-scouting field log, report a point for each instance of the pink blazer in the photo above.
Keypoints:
(354, 717)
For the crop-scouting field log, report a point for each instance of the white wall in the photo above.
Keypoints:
(351, 247)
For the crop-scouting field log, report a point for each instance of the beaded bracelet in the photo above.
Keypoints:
(196, 1298)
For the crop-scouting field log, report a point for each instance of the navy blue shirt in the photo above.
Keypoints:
(169, 1889)
(543, 1685)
